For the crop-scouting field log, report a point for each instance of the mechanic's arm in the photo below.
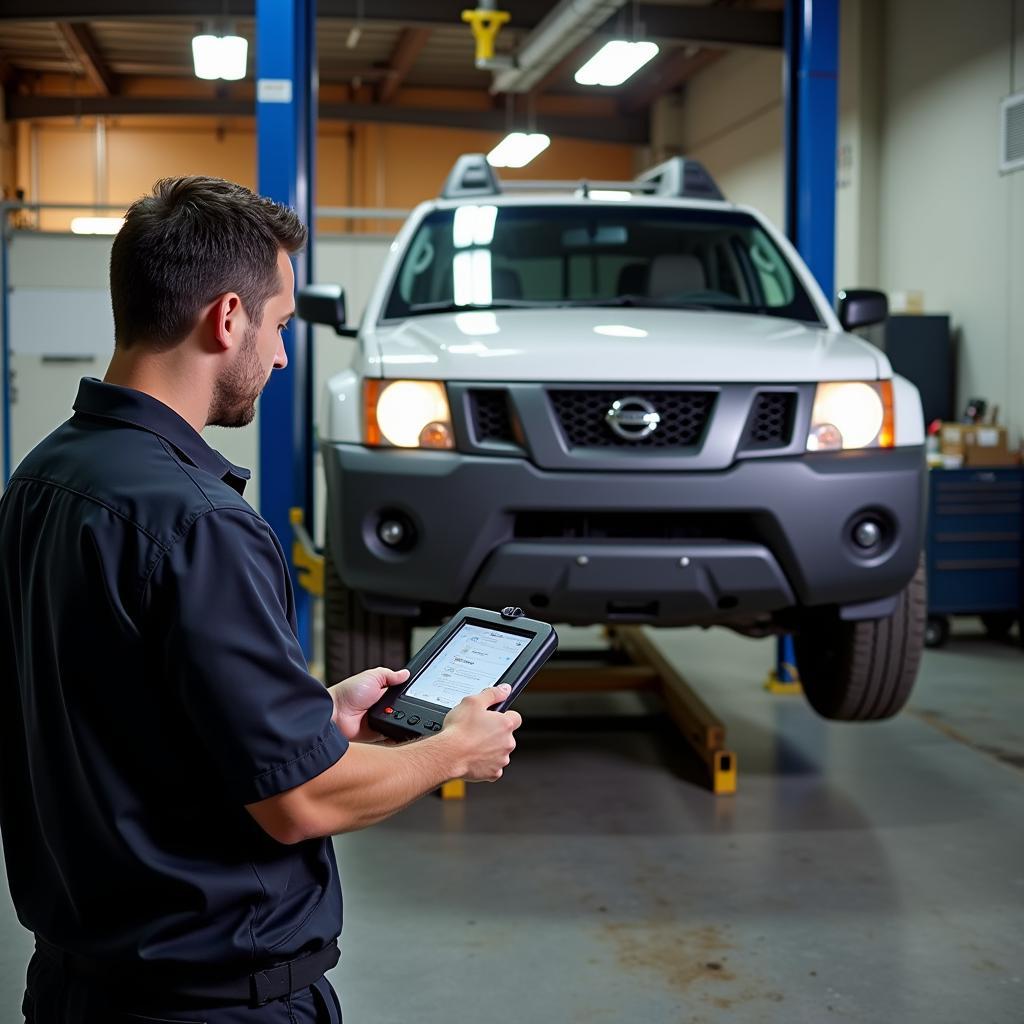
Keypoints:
(372, 782)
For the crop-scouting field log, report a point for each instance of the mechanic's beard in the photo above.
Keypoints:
(236, 391)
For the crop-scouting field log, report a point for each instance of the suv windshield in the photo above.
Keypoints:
(486, 256)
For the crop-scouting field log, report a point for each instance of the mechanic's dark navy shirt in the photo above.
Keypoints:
(152, 685)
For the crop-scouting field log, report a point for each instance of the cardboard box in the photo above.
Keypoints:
(987, 446)
(952, 439)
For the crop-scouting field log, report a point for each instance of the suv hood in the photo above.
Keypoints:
(618, 344)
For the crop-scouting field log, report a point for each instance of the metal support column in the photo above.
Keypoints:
(5, 347)
(812, 97)
(812, 111)
(286, 109)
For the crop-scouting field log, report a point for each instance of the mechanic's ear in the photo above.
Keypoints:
(227, 319)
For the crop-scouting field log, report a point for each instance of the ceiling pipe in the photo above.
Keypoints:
(561, 31)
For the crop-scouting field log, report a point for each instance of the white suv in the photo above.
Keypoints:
(612, 403)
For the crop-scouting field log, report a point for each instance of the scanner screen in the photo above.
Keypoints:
(475, 657)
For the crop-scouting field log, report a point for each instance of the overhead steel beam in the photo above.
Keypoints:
(629, 130)
(21, 108)
(407, 49)
(525, 14)
(83, 46)
(721, 27)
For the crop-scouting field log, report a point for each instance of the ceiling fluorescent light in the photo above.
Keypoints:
(96, 225)
(219, 57)
(615, 62)
(233, 53)
(517, 149)
(206, 56)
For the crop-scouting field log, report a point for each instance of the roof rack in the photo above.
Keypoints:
(678, 178)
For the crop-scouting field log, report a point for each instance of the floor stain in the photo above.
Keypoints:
(697, 962)
(936, 721)
(681, 956)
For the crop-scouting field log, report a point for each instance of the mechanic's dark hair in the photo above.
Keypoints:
(193, 239)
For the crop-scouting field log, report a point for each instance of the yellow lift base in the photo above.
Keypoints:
(775, 685)
(648, 670)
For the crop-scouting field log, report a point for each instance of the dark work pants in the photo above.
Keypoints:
(54, 997)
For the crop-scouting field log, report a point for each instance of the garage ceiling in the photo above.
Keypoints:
(105, 46)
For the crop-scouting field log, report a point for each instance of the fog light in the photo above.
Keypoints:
(391, 532)
(867, 533)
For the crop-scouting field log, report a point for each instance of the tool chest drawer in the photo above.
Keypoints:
(975, 540)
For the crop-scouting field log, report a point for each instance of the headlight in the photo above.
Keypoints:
(407, 414)
(852, 414)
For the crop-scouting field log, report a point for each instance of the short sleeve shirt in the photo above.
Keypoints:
(152, 686)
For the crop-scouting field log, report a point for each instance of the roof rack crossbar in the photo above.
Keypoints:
(472, 176)
(586, 184)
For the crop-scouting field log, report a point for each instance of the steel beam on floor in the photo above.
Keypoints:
(632, 662)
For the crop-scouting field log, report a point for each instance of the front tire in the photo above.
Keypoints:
(863, 671)
(354, 638)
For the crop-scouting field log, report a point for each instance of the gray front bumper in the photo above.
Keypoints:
(463, 508)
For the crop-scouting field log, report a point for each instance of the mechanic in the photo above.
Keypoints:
(170, 772)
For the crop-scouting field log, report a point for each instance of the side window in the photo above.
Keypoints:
(773, 275)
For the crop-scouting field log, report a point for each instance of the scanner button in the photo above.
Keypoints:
(399, 715)
(414, 719)
(389, 711)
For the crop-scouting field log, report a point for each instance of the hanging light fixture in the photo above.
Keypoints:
(615, 62)
(220, 56)
(517, 149)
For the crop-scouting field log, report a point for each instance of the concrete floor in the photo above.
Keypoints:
(861, 873)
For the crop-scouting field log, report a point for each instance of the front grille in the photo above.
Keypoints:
(655, 526)
(684, 417)
(492, 419)
(770, 424)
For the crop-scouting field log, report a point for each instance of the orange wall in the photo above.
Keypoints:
(357, 165)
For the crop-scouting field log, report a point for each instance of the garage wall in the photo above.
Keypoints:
(45, 381)
(730, 118)
(920, 203)
(949, 223)
(365, 165)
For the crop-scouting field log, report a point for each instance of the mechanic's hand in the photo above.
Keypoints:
(354, 696)
(485, 736)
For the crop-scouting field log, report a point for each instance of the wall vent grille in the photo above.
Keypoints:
(1011, 133)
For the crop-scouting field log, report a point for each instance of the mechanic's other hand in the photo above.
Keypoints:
(484, 736)
(354, 696)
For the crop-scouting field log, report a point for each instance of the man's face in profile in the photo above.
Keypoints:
(260, 353)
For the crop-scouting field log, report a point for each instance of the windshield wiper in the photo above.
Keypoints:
(474, 307)
(639, 301)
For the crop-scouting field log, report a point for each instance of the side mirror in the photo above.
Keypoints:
(324, 304)
(861, 307)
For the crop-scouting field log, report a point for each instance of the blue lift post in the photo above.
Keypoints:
(286, 112)
(812, 111)
(5, 349)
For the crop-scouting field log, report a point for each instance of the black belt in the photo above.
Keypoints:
(257, 989)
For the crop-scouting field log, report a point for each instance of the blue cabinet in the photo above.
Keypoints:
(975, 548)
